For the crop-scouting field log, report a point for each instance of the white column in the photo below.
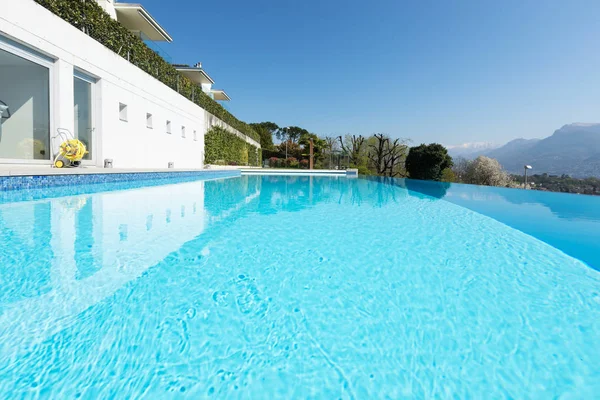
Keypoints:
(63, 94)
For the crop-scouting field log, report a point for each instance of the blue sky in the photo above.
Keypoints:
(447, 71)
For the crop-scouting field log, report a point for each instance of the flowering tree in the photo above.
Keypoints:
(486, 171)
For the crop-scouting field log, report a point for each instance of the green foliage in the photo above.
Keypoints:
(224, 148)
(319, 146)
(356, 149)
(363, 170)
(90, 18)
(291, 133)
(561, 183)
(428, 162)
(448, 175)
(265, 130)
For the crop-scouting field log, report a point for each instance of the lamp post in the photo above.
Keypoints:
(311, 164)
(342, 152)
(287, 138)
(526, 167)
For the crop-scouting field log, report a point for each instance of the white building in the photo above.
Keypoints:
(53, 75)
(197, 75)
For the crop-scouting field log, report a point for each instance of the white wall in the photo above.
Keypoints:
(130, 144)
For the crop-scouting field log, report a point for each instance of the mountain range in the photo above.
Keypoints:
(573, 150)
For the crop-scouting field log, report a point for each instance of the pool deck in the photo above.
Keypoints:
(46, 170)
(43, 170)
(300, 172)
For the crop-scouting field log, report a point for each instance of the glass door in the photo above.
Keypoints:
(84, 115)
(25, 106)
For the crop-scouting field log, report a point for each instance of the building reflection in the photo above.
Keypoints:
(64, 255)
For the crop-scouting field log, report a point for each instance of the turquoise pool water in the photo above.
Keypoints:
(298, 287)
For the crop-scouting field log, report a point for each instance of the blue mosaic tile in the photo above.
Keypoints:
(10, 183)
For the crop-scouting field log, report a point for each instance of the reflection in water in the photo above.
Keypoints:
(429, 188)
(217, 298)
(568, 222)
(24, 264)
(84, 239)
(61, 256)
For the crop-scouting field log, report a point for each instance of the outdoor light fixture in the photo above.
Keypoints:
(526, 167)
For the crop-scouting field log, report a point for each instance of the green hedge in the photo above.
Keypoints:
(90, 18)
(225, 148)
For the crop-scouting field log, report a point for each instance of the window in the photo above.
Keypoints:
(24, 108)
(195, 136)
(169, 127)
(148, 120)
(183, 132)
(123, 112)
(83, 110)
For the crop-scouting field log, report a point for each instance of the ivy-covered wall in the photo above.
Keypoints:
(90, 18)
(224, 148)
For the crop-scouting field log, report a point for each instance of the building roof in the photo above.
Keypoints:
(135, 18)
(219, 94)
(195, 74)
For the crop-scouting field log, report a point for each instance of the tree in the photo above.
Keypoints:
(385, 155)
(291, 149)
(460, 168)
(353, 146)
(265, 131)
(448, 175)
(331, 146)
(427, 161)
(486, 171)
(319, 146)
(290, 133)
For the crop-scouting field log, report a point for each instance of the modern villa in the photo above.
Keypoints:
(147, 274)
(58, 76)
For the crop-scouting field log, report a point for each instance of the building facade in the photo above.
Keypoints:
(55, 77)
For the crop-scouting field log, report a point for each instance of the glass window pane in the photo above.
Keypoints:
(24, 87)
(83, 114)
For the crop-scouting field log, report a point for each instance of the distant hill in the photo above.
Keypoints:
(573, 150)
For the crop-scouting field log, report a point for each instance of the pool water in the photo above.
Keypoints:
(296, 287)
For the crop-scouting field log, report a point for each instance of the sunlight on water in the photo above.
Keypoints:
(290, 287)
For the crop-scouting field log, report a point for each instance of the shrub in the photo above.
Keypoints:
(363, 170)
(448, 175)
(292, 162)
(223, 146)
(427, 161)
(304, 164)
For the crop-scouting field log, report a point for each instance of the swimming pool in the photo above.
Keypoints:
(297, 287)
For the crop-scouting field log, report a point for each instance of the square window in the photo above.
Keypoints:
(123, 112)
(149, 120)
(169, 127)
(195, 136)
(183, 132)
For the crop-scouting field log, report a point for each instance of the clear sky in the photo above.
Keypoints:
(446, 70)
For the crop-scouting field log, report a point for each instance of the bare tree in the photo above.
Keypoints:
(330, 147)
(386, 155)
(461, 168)
(353, 147)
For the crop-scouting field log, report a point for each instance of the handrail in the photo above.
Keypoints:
(7, 110)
